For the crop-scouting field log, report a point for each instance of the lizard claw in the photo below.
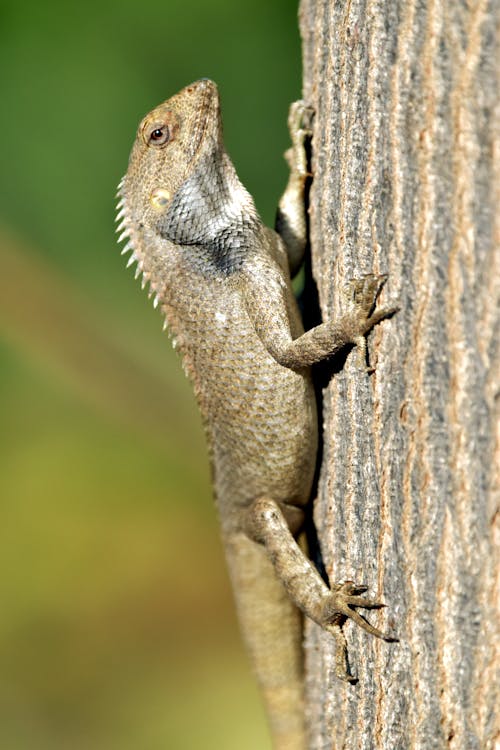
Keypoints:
(300, 118)
(362, 295)
(340, 605)
(364, 291)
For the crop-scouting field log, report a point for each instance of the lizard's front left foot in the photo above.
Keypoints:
(300, 118)
(291, 221)
(338, 606)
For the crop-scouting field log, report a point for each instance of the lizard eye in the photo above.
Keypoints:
(159, 135)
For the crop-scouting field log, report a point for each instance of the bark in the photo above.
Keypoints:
(405, 137)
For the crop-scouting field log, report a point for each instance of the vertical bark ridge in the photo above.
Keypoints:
(468, 405)
(427, 383)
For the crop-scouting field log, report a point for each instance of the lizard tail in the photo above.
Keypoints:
(272, 631)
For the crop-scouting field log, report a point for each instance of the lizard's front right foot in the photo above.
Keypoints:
(364, 314)
(363, 294)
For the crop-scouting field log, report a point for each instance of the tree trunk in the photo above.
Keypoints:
(404, 183)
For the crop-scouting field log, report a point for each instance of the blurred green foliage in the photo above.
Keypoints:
(116, 628)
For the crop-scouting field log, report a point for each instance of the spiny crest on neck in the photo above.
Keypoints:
(124, 228)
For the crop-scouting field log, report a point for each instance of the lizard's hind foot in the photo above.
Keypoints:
(336, 609)
(340, 604)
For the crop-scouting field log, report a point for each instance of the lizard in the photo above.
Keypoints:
(223, 282)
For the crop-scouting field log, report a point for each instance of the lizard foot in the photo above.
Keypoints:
(291, 218)
(339, 606)
(362, 295)
(300, 118)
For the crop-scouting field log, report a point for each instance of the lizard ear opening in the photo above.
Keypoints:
(159, 198)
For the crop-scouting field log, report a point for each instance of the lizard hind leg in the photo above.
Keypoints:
(329, 607)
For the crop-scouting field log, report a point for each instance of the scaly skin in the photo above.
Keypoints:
(222, 282)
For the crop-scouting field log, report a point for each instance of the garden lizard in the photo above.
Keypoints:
(222, 281)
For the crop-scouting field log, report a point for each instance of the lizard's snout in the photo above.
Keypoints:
(204, 85)
(205, 91)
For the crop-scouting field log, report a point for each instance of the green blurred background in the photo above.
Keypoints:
(116, 627)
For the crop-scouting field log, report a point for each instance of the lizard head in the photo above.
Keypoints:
(169, 141)
(180, 184)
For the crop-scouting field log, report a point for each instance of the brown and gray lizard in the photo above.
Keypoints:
(222, 281)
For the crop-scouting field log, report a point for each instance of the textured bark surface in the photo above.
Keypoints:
(405, 140)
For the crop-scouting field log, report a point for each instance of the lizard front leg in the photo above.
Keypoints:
(329, 607)
(326, 339)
